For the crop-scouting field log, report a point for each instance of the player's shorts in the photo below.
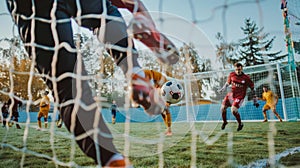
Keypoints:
(229, 101)
(268, 106)
(43, 114)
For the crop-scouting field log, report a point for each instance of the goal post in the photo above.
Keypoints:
(203, 102)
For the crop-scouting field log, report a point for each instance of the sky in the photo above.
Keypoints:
(199, 21)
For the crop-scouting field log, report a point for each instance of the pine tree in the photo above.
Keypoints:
(255, 48)
(15, 72)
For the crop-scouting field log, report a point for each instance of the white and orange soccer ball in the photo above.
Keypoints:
(172, 92)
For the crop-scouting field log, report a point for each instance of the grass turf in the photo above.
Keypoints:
(147, 146)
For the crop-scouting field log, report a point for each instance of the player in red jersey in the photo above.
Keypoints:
(239, 83)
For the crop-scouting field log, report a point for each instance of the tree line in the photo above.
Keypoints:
(253, 49)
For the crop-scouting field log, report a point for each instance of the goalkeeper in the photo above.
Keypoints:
(158, 80)
(271, 102)
(44, 110)
(46, 30)
(239, 83)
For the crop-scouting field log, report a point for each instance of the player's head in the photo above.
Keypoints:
(238, 68)
(114, 102)
(265, 88)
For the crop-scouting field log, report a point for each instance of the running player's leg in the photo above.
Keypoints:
(273, 108)
(236, 114)
(225, 104)
(46, 119)
(168, 122)
(16, 119)
(224, 116)
(236, 103)
(264, 110)
(166, 115)
(113, 119)
(39, 122)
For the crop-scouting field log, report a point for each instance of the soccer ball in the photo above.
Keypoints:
(172, 92)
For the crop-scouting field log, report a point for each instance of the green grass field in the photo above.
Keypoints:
(148, 147)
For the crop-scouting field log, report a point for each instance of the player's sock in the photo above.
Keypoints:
(39, 124)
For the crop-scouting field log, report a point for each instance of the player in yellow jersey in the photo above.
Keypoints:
(44, 110)
(271, 102)
(158, 80)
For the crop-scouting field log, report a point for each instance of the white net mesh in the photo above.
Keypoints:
(196, 121)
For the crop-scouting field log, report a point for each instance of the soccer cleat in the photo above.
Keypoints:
(168, 133)
(240, 127)
(119, 163)
(224, 125)
(144, 94)
(144, 30)
(18, 126)
(265, 120)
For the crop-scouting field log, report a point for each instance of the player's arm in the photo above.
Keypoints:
(223, 88)
(228, 82)
(261, 98)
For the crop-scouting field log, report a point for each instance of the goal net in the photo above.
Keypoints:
(137, 135)
(278, 77)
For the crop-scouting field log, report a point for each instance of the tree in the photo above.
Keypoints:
(226, 51)
(254, 49)
(15, 72)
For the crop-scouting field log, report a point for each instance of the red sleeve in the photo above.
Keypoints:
(229, 78)
(251, 84)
